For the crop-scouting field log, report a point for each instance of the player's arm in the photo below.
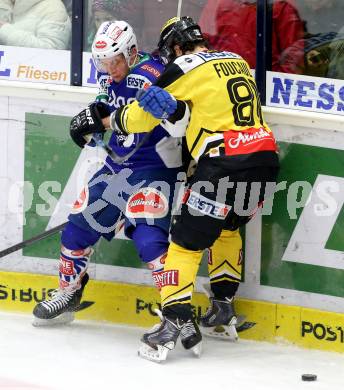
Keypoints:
(154, 105)
(88, 122)
(134, 119)
(177, 123)
(131, 119)
(167, 98)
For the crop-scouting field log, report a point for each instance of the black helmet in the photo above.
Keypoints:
(178, 31)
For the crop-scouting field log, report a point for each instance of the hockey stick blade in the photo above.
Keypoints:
(32, 240)
(242, 324)
(84, 305)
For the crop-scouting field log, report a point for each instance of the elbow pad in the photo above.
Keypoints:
(177, 123)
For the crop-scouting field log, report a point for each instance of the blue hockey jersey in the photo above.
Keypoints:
(160, 150)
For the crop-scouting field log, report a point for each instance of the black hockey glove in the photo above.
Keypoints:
(88, 121)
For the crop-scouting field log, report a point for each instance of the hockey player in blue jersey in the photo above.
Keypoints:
(125, 192)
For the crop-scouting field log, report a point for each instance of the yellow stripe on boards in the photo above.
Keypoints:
(134, 305)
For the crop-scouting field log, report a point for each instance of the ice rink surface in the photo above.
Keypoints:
(89, 355)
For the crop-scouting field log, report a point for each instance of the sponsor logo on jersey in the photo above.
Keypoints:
(249, 141)
(217, 54)
(118, 101)
(100, 45)
(66, 267)
(151, 69)
(81, 203)
(147, 203)
(166, 278)
(127, 141)
(104, 83)
(138, 81)
(206, 206)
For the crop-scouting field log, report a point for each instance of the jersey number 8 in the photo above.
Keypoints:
(243, 94)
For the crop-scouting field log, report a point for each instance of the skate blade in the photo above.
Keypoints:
(62, 319)
(155, 355)
(197, 350)
(224, 332)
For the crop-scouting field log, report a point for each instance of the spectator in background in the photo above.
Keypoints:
(156, 12)
(231, 25)
(145, 16)
(323, 20)
(321, 16)
(103, 10)
(5, 11)
(69, 5)
(319, 52)
(336, 62)
(41, 24)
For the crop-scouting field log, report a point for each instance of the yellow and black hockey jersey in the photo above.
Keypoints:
(226, 116)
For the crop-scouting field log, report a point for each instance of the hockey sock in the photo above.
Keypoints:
(177, 280)
(73, 265)
(225, 264)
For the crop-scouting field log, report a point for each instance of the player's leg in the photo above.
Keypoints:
(202, 219)
(224, 266)
(225, 256)
(76, 251)
(78, 237)
(148, 216)
(152, 243)
(148, 219)
(190, 235)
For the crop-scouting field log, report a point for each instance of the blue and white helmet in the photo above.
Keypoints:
(113, 38)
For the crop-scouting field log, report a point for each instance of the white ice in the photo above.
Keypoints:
(90, 355)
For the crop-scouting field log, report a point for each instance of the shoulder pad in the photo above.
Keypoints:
(188, 62)
(150, 67)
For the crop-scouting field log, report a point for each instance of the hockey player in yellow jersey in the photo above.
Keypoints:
(213, 95)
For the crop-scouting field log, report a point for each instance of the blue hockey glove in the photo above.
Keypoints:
(157, 102)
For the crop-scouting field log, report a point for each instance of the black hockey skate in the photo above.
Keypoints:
(191, 337)
(220, 319)
(162, 338)
(60, 308)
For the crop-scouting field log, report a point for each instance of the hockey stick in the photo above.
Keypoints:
(32, 240)
(118, 159)
(115, 157)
